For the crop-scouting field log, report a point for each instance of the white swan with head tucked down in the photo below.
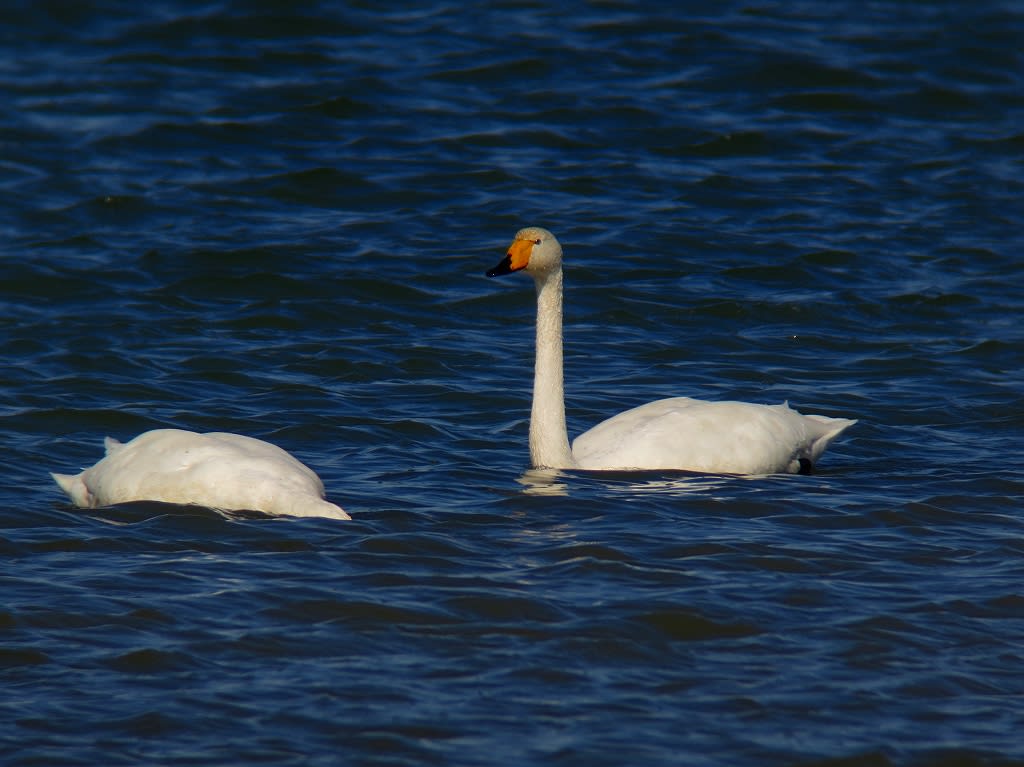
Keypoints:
(217, 470)
(675, 433)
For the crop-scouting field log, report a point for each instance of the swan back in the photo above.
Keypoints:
(714, 437)
(218, 470)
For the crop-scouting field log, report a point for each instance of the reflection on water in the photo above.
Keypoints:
(555, 482)
(543, 482)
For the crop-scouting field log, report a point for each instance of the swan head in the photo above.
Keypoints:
(534, 250)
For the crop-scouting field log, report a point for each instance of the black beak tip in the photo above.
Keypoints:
(503, 267)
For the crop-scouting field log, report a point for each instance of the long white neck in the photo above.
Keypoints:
(549, 440)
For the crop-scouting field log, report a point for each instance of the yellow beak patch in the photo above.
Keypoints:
(519, 254)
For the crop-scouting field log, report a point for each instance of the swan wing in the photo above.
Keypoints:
(713, 437)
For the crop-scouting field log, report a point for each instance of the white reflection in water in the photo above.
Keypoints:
(556, 482)
(543, 482)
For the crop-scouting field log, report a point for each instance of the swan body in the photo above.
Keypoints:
(218, 470)
(678, 433)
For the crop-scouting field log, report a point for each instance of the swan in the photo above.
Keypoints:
(218, 470)
(675, 433)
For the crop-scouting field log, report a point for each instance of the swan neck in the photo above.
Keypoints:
(549, 439)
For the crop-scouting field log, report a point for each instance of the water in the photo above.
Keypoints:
(275, 220)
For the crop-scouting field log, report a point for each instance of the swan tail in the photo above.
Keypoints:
(328, 509)
(75, 487)
(111, 445)
(318, 508)
(828, 430)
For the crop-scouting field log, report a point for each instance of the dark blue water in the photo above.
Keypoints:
(274, 219)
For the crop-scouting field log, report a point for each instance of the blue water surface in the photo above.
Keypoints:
(274, 219)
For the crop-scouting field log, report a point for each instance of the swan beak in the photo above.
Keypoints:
(518, 257)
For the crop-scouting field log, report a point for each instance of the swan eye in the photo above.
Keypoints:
(537, 241)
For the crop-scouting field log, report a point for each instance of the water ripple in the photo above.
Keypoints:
(275, 221)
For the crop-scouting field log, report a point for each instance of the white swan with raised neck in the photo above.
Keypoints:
(678, 433)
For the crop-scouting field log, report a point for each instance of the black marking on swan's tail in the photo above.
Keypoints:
(806, 466)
